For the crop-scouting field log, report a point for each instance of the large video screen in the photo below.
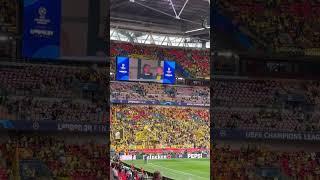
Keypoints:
(131, 69)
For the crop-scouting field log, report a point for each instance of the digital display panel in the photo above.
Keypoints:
(131, 69)
(41, 29)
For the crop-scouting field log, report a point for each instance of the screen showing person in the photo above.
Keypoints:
(146, 72)
(159, 73)
(131, 69)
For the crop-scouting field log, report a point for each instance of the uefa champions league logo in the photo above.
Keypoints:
(223, 133)
(35, 125)
(42, 12)
(169, 71)
(123, 69)
(42, 19)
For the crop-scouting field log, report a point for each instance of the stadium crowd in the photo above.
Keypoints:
(51, 92)
(74, 159)
(243, 163)
(121, 171)
(287, 105)
(8, 16)
(45, 79)
(280, 23)
(152, 127)
(66, 160)
(157, 92)
(265, 104)
(196, 62)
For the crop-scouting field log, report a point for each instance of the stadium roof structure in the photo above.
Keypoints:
(189, 19)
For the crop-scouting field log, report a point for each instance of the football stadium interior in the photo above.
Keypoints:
(265, 91)
(243, 106)
(159, 89)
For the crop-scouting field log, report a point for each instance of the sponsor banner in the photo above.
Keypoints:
(195, 156)
(53, 126)
(169, 103)
(266, 135)
(157, 157)
(173, 155)
(174, 150)
(41, 28)
(128, 157)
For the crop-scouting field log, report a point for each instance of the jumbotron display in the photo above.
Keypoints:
(131, 69)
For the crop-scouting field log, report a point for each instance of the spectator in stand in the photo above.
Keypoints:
(114, 173)
(157, 176)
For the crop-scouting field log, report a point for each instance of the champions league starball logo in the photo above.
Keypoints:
(169, 71)
(123, 69)
(223, 133)
(42, 19)
(42, 12)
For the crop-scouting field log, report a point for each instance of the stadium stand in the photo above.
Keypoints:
(255, 102)
(119, 170)
(130, 91)
(42, 92)
(266, 104)
(246, 161)
(160, 127)
(281, 24)
(196, 62)
(36, 92)
(75, 159)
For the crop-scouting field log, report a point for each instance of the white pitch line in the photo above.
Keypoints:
(178, 171)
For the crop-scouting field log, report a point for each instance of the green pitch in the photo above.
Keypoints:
(178, 169)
